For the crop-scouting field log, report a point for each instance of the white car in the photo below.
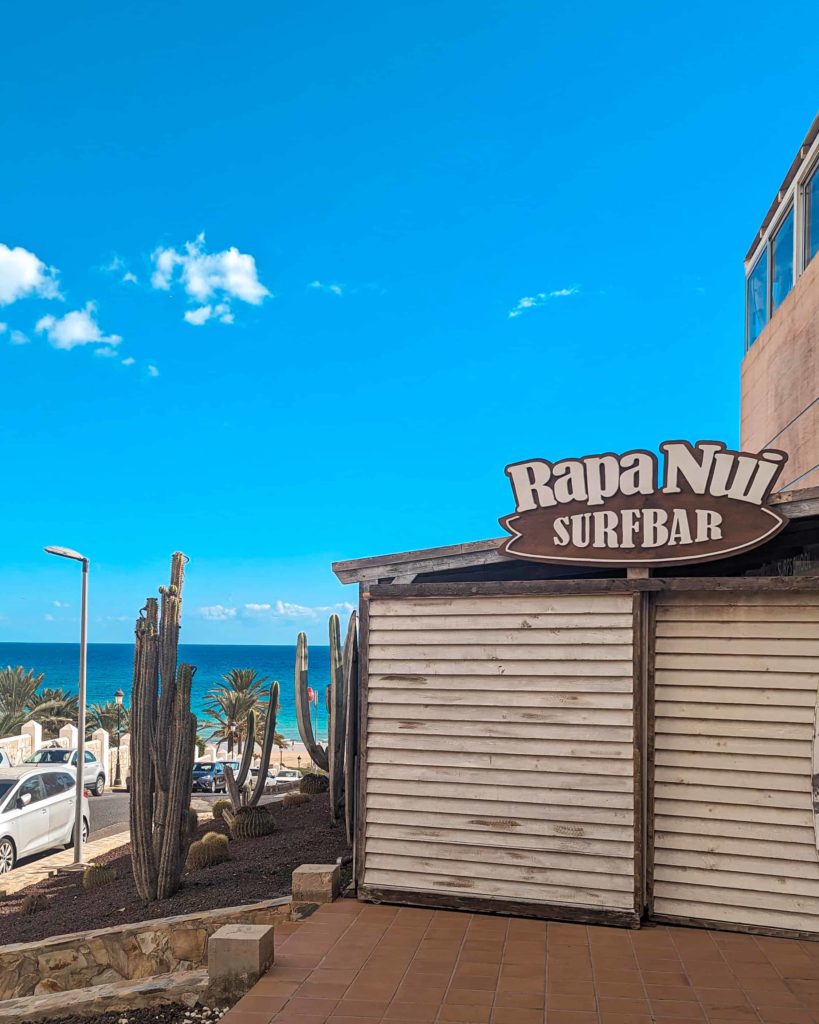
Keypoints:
(94, 775)
(287, 775)
(37, 811)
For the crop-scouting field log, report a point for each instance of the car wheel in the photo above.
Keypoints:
(8, 855)
(99, 787)
(86, 831)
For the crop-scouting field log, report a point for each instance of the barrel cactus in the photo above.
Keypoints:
(296, 800)
(34, 902)
(252, 822)
(210, 850)
(96, 875)
(313, 783)
(219, 808)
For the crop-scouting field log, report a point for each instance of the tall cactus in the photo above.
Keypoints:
(340, 699)
(163, 738)
(239, 797)
(314, 749)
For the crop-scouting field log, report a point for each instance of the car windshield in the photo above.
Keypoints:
(49, 757)
(203, 766)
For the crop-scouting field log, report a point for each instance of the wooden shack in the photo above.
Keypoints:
(593, 743)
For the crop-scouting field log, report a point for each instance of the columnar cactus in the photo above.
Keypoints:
(239, 794)
(341, 703)
(163, 737)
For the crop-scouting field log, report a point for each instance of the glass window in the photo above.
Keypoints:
(756, 311)
(57, 782)
(89, 757)
(812, 217)
(782, 261)
(33, 787)
(48, 757)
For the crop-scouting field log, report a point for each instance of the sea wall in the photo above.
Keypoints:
(125, 953)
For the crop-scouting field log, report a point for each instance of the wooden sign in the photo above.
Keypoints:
(612, 509)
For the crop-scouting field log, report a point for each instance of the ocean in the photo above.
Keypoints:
(110, 667)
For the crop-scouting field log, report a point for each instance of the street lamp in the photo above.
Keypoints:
(80, 784)
(119, 697)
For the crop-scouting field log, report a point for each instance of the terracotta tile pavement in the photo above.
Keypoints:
(353, 962)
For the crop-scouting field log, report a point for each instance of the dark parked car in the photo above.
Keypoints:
(209, 777)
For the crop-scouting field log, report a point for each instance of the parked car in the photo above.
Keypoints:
(5, 761)
(287, 775)
(209, 777)
(269, 782)
(37, 811)
(93, 776)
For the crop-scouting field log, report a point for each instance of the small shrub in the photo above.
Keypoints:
(96, 875)
(314, 783)
(210, 850)
(296, 800)
(252, 822)
(219, 807)
(33, 902)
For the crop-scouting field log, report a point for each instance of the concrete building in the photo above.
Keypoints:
(780, 371)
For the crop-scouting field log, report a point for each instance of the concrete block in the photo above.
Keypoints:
(316, 883)
(240, 949)
(34, 731)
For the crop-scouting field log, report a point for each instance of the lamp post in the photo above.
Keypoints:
(80, 784)
(298, 761)
(119, 697)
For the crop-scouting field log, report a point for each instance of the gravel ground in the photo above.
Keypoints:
(170, 1014)
(259, 869)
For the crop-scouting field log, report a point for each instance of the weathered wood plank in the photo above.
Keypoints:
(540, 747)
(564, 715)
(737, 796)
(728, 663)
(528, 832)
(732, 629)
(690, 776)
(494, 616)
(524, 806)
(750, 695)
(555, 782)
(398, 791)
(693, 811)
(480, 730)
(747, 833)
(448, 883)
(489, 857)
(790, 848)
(507, 653)
(497, 683)
(728, 728)
(484, 637)
(770, 859)
(758, 764)
(708, 914)
(390, 667)
(515, 771)
(523, 700)
(733, 676)
(487, 604)
(771, 713)
(769, 647)
(785, 890)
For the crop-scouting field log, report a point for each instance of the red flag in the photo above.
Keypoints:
(312, 695)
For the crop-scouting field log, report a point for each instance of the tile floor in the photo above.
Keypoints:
(354, 962)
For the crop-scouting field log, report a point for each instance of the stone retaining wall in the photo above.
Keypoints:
(126, 953)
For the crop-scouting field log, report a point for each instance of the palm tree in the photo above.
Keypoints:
(230, 703)
(106, 716)
(53, 709)
(18, 688)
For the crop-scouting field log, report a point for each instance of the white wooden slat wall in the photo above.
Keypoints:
(500, 748)
(736, 688)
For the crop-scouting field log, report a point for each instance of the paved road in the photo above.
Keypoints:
(109, 812)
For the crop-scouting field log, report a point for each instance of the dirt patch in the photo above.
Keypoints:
(259, 869)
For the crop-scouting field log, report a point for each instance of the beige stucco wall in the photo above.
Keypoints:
(780, 383)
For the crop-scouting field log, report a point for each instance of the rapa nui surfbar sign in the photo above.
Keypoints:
(705, 502)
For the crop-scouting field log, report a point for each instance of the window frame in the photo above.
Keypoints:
(764, 254)
(790, 210)
(811, 175)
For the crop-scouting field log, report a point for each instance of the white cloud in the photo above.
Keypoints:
(541, 298)
(257, 609)
(128, 361)
(200, 315)
(3, 328)
(78, 327)
(299, 611)
(22, 274)
(217, 613)
(221, 276)
(106, 352)
(152, 370)
(18, 338)
(60, 604)
(49, 618)
(334, 289)
(130, 278)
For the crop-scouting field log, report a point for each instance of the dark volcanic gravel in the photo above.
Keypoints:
(259, 869)
(169, 1014)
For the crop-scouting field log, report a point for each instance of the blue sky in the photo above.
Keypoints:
(394, 180)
